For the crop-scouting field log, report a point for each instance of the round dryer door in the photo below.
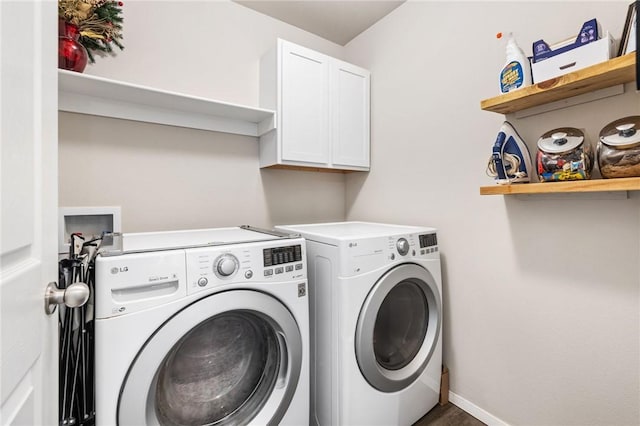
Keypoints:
(230, 358)
(398, 327)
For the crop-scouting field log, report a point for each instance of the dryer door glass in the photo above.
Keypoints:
(398, 327)
(401, 326)
(222, 371)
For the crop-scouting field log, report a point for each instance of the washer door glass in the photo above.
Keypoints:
(230, 358)
(222, 370)
(398, 327)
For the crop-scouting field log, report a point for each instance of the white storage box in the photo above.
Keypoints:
(575, 59)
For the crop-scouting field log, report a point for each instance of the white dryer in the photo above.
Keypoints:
(376, 318)
(202, 327)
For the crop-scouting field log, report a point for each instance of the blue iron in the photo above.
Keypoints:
(510, 161)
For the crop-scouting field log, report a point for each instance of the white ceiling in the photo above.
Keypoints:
(339, 21)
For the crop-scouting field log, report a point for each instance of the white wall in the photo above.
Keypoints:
(541, 295)
(172, 178)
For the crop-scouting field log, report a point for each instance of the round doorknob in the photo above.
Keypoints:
(74, 296)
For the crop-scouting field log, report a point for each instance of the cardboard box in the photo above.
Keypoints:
(444, 386)
(575, 59)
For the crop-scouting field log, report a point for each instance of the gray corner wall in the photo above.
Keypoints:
(541, 294)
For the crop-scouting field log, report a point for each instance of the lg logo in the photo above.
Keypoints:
(115, 269)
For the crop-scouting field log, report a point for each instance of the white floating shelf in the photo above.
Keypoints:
(87, 94)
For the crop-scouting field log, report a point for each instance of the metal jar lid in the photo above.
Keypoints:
(622, 133)
(564, 139)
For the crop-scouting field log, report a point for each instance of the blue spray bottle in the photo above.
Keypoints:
(516, 72)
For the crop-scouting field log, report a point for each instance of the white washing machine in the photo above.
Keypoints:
(376, 318)
(202, 327)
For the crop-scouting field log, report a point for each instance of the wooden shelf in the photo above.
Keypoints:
(594, 185)
(616, 71)
(87, 94)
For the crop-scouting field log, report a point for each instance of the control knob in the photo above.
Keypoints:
(403, 246)
(226, 265)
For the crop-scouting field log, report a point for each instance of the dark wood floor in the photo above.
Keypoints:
(448, 415)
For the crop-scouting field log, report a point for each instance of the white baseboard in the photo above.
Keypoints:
(475, 411)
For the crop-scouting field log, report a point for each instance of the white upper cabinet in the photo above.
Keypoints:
(349, 94)
(304, 105)
(322, 110)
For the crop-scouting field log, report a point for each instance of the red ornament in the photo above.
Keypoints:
(71, 54)
(120, 4)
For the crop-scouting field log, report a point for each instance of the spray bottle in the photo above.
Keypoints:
(516, 72)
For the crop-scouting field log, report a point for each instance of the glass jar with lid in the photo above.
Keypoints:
(564, 154)
(619, 148)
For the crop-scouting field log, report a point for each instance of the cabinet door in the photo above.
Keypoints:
(304, 106)
(350, 115)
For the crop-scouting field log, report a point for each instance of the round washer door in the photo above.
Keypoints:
(398, 327)
(230, 358)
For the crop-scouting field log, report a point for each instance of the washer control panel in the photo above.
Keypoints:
(256, 262)
(226, 265)
(280, 255)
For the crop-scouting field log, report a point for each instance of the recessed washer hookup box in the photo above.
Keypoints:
(572, 55)
(89, 221)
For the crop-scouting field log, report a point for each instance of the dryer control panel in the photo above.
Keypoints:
(428, 240)
(264, 261)
(429, 245)
(412, 245)
(367, 254)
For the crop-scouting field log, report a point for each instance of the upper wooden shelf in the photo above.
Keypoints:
(87, 94)
(594, 185)
(615, 71)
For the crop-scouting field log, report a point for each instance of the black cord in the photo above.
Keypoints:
(76, 341)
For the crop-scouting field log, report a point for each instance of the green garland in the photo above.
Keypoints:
(99, 23)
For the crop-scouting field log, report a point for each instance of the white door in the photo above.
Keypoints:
(304, 106)
(350, 115)
(29, 182)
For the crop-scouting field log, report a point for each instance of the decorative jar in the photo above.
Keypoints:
(564, 154)
(619, 148)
